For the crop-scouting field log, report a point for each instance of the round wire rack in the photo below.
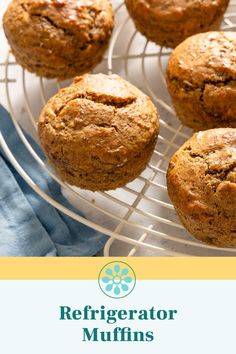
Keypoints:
(139, 218)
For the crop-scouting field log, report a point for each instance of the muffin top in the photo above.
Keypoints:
(170, 5)
(65, 24)
(204, 173)
(98, 122)
(174, 10)
(206, 58)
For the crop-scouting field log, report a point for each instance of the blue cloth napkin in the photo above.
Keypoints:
(29, 226)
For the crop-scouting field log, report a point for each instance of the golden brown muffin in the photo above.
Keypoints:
(99, 133)
(58, 38)
(201, 77)
(169, 23)
(202, 186)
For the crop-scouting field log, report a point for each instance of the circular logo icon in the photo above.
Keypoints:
(117, 279)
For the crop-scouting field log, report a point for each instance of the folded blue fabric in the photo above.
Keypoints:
(29, 226)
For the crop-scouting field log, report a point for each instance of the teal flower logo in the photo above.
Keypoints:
(117, 279)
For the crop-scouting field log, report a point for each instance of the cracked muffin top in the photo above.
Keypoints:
(85, 18)
(207, 164)
(101, 101)
(202, 185)
(201, 78)
(58, 38)
(170, 22)
(166, 7)
(100, 132)
(114, 114)
(204, 58)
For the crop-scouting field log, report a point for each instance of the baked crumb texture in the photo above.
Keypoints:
(201, 78)
(58, 39)
(202, 186)
(99, 133)
(168, 23)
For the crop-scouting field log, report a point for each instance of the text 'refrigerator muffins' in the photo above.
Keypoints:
(99, 133)
(58, 38)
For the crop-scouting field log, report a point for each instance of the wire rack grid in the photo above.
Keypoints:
(139, 216)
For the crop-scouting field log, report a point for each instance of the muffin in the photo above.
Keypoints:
(99, 133)
(201, 77)
(58, 38)
(169, 23)
(202, 186)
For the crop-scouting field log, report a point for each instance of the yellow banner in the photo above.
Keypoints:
(145, 268)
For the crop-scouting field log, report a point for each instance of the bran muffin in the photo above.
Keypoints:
(99, 133)
(58, 38)
(202, 186)
(169, 23)
(201, 78)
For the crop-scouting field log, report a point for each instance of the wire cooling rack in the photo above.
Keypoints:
(139, 218)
